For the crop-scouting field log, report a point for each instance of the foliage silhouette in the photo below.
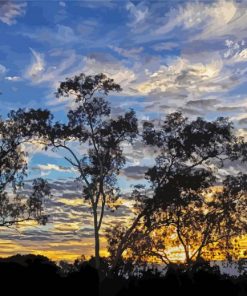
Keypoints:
(15, 205)
(46, 276)
(92, 139)
(182, 208)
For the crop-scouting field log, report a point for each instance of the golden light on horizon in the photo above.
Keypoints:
(54, 245)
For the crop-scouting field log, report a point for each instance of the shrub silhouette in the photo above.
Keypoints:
(30, 274)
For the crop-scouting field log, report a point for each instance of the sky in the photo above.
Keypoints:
(188, 56)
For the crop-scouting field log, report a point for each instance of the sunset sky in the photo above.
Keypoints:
(167, 55)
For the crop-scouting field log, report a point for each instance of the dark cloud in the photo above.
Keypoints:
(190, 111)
(135, 172)
(10, 10)
(243, 121)
(205, 103)
(66, 185)
(230, 108)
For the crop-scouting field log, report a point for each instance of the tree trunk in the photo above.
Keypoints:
(96, 240)
(124, 240)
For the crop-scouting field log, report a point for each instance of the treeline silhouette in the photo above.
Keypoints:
(31, 274)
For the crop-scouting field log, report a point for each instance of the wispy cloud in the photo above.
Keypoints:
(59, 35)
(37, 66)
(209, 20)
(165, 46)
(2, 69)
(10, 10)
(62, 3)
(69, 63)
(138, 12)
(128, 53)
(115, 69)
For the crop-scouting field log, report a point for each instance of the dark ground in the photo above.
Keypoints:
(31, 275)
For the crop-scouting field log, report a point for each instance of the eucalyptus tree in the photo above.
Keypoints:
(92, 138)
(183, 208)
(15, 205)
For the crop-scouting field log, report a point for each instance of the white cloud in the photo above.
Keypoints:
(208, 20)
(37, 66)
(13, 78)
(52, 167)
(9, 11)
(243, 54)
(236, 51)
(182, 76)
(65, 64)
(232, 48)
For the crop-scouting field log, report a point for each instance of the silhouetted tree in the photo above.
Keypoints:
(92, 138)
(15, 206)
(182, 208)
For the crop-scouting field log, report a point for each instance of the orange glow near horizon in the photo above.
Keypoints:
(51, 241)
(75, 249)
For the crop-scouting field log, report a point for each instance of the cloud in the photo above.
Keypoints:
(98, 4)
(231, 108)
(97, 63)
(208, 20)
(2, 69)
(69, 186)
(70, 231)
(52, 167)
(9, 11)
(243, 121)
(190, 111)
(60, 35)
(37, 66)
(69, 63)
(138, 12)
(135, 172)
(61, 3)
(182, 76)
(12, 78)
(236, 51)
(165, 46)
(201, 104)
(128, 53)
(138, 156)
(64, 64)
(59, 64)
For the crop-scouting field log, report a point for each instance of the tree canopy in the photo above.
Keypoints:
(92, 138)
(182, 209)
(15, 206)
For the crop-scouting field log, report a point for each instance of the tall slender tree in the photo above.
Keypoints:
(92, 139)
